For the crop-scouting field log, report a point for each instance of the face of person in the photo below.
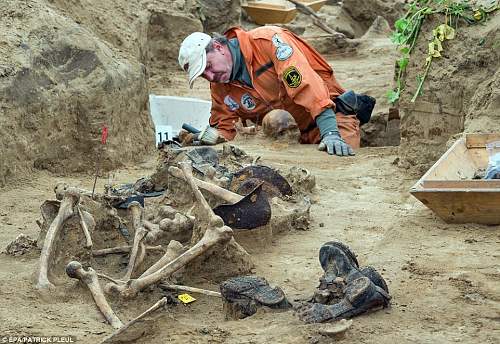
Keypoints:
(219, 64)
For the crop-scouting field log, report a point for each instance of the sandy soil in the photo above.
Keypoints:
(444, 278)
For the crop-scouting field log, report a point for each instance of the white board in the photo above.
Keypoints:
(174, 111)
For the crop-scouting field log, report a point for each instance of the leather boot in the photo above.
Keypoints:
(360, 295)
(341, 267)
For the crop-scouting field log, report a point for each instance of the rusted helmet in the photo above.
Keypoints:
(278, 122)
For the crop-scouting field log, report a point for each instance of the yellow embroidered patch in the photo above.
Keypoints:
(292, 77)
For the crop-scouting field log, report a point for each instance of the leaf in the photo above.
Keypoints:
(397, 38)
(437, 45)
(433, 50)
(478, 15)
(401, 24)
(403, 62)
(443, 32)
(392, 96)
(404, 50)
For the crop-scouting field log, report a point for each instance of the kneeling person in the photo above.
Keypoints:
(254, 72)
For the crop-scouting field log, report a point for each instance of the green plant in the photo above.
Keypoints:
(407, 29)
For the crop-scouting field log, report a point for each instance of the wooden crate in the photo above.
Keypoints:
(270, 13)
(448, 189)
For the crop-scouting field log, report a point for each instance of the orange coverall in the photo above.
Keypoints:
(302, 83)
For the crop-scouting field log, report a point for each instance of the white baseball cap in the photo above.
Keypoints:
(192, 55)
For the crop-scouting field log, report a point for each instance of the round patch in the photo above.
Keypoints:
(292, 77)
(231, 103)
(283, 52)
(247, 101)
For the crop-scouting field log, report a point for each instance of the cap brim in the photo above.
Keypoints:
(197, 69)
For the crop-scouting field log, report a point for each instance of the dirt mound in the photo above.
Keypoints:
(211, 12)
(59, 85)
(460, 92)
(365, 12)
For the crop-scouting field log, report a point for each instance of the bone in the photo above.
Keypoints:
(166, 211)
(174, 250)
(138, 247)
(175, 287)
(244, 130)
(66, 210)
(177, 228)
(61, 188)
(110, 339)
(87, 223)
(75, 270)
(277, 121)
(216, 190)
(215, 233)
(154, 232)
(122, 249)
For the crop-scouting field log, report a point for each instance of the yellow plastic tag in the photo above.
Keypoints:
(186, 298)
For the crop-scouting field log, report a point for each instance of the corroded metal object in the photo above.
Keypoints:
(251, 211)
(273, 183)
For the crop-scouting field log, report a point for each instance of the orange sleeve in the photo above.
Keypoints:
(300, 80)
(221, 117)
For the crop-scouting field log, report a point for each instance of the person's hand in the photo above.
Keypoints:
(334, 144)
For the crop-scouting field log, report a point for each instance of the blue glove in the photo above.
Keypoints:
(334, 144)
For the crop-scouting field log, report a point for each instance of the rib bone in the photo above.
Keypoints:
(215, 233)
(75, 270)
(66, 210)
(87, 223)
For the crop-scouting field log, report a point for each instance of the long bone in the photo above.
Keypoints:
(75, 270)
(138, 247)
(122, 249)
(66, 210)
(215, 233)
(174, 249)
(216, 190)
(111, 338)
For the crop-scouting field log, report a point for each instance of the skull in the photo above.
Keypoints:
(279, 123)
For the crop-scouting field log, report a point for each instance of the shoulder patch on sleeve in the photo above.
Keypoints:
(231, 103)
(283, 50)
(292, 77)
